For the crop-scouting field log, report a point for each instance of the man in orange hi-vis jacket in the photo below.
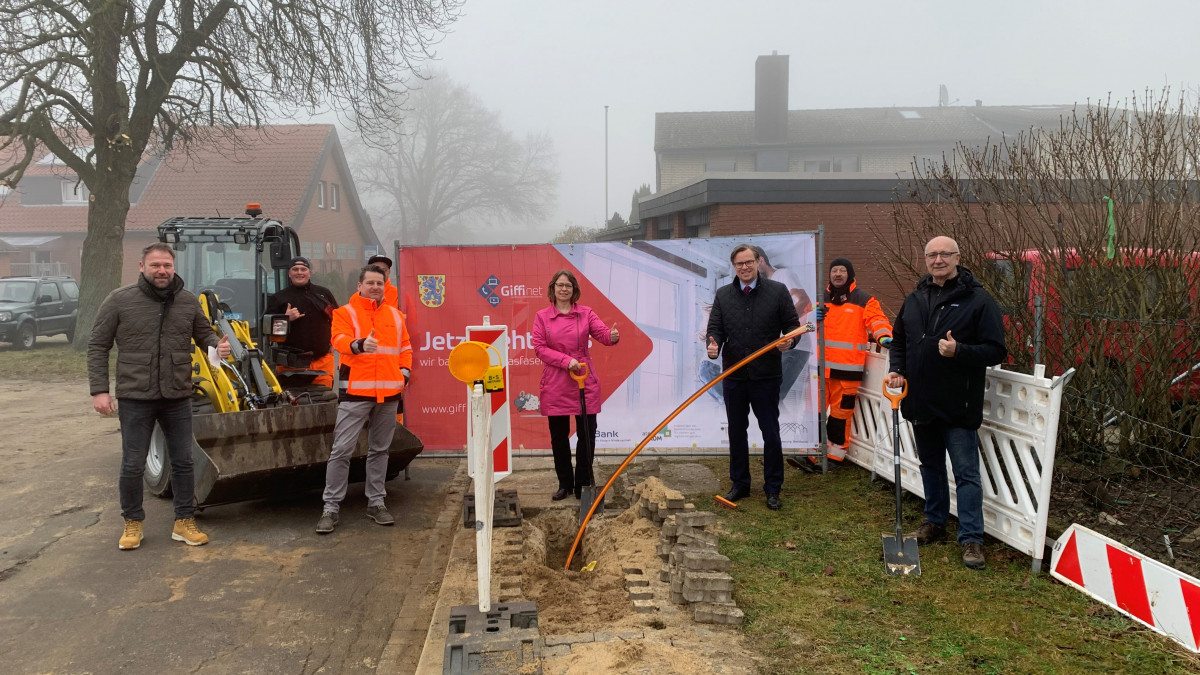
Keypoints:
(852, 320)
(372, 341)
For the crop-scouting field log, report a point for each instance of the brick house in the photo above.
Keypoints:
(773, 170)
(298, 173)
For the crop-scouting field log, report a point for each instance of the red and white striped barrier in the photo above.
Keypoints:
(1161, 597)
(496, 336)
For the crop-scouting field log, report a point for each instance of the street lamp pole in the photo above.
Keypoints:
(605, 221)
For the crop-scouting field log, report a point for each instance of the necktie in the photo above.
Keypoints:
(746, 290)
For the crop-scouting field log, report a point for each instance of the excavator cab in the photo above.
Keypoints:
(253, 434)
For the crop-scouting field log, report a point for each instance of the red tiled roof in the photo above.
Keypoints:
(272, 166)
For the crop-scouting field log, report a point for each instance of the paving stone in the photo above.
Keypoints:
(700, 539)
(570, 639)
(713, 596)
(699, 559)
(556, 650)
(707, 581)
(641, 593)
(607, 636)
(678, 598)
(704, 612)
(631, 570)
(697, 519)
(635, 580)
(644, 606)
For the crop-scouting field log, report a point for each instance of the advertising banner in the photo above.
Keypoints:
(657, 293)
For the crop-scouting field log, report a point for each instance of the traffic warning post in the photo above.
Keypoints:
(500, 409)
(1164, 599)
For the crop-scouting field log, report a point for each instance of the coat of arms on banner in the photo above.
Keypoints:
(433, 289)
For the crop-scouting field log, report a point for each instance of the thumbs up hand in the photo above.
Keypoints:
(613, 335)
(223, 347)
(370, 344)
(947, 346)
(713, 349)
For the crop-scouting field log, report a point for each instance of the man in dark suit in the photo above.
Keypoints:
(748, 314)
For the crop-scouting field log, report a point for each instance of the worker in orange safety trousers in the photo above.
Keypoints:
(851, 319)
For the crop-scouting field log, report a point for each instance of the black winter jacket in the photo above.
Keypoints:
(742, 324)
(311, 332)
(940, 389)
(154, 337)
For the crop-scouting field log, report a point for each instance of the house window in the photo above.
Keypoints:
(663, 227)
(695, 223)
(835, 165)
(720, 165)
(333, 196)
(312, 251)
(771, 160)
(74, 192)
(347, 251)
(321, 194)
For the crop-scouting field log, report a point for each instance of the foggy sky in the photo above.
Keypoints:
(552, 66)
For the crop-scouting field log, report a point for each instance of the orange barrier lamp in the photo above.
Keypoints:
(470, 362)
(806, 328)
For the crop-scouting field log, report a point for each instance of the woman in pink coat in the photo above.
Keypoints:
(560, 339)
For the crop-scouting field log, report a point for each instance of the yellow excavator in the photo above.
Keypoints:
(256, 433)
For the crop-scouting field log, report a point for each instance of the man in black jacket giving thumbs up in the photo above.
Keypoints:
(949, 330)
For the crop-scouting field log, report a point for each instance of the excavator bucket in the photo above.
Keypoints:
(277, 451)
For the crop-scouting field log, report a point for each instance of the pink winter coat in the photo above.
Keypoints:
(558, 338)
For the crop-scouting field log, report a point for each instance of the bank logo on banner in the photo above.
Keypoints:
(433, 289)
(488, 290)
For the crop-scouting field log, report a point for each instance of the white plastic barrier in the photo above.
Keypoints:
(1017, 442)
(485, 494)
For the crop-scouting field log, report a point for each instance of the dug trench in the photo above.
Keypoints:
(587, 619)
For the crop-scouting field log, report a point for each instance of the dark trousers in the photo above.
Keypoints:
(585, 450)
(934, 442)
(761, 396)
(174, 417)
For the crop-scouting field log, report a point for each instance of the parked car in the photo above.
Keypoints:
(37, 306)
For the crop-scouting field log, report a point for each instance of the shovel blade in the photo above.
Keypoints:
(900, 557)
(586, 497)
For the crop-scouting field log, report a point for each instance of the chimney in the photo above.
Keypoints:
(771, 98)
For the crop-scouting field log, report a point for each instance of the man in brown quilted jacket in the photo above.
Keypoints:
(153, 323)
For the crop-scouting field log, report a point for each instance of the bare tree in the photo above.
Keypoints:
(448, 158)
(101, 83)
(1085, 234)
(1088, 236)
(576, 234)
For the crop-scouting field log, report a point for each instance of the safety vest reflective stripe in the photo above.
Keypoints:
(353, 319)
(372, 384)
(405, 349)
(862, 347)
(388, 350)
(854, 368)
